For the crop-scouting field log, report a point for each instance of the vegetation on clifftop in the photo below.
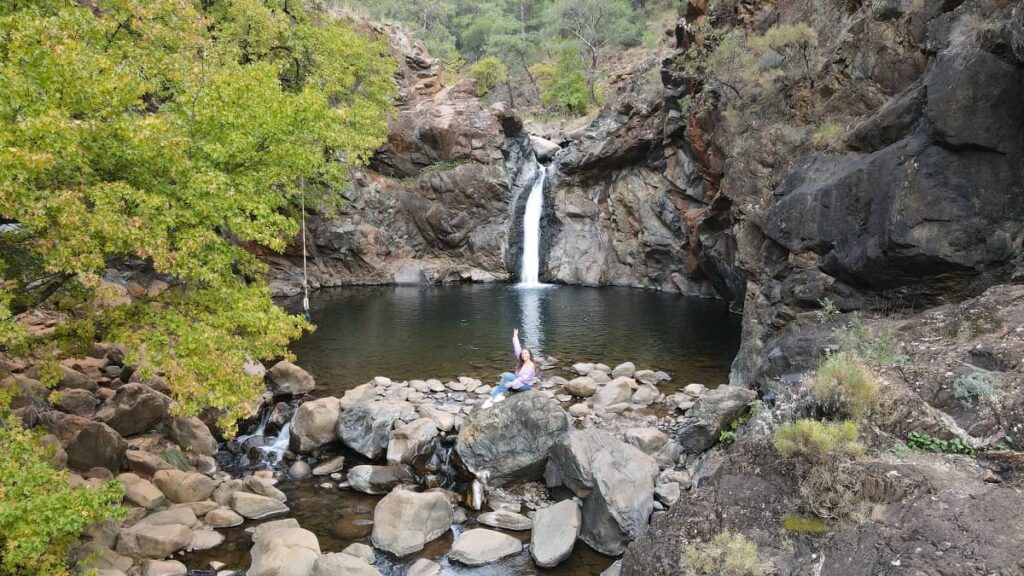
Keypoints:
(173, 133)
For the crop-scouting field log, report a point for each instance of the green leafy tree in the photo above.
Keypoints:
(488, 73)
(563, 86)
(593, 26)
(41, 515)
(178, 134)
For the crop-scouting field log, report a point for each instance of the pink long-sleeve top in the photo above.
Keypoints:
(526, 374)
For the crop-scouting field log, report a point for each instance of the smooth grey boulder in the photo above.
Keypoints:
(366, 427)
(378, 479)
(141, 492)
(315, 423)
(329, 466)
(223, 518)
(505, 519)
(163, 568)
(582, 387)
(255, 507)
(286, 379)
(555, 530)
(646, 395)
(654, 443)
(193, 435)
(615, 392)
(360, 550)
(424, 567)
(444, 421)
(412, 441)
(646, 377)
(181, 486)
(404, 521)
(480, 546)
(618, 499)
(712, 412)
(96, 445)
(284, 551)
(511, 440)
(626, 369)
(342, 564)
(153, 540)
(135, 408)
(79, 402)
(359, 395)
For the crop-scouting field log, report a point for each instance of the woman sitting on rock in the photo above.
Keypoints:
(522, 380)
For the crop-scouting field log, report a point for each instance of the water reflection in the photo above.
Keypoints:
(446, 331)
(531, 329)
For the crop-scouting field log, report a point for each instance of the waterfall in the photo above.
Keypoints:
(530, 272)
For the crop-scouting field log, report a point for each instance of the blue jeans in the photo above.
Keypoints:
(503, 386)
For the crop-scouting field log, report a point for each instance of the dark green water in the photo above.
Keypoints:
(447, 331)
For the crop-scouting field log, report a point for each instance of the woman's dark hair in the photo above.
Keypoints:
(519, 359)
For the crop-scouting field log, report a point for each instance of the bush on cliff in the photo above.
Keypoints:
(845, 386)
(41, 516)
(814, 441)
(488, 73)
(177, 135)
(728, 554)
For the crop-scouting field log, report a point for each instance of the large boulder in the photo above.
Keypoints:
(153, 540)
(378, 479)
(366, 427)
(617, 499)
(79, 402)
(404, 521)
(582, 387)
(505, 519)
(412, 441)
(555, 530)
(341, 564)
(712, 412)
(287, 379)
(192, 435)
(96, 445)
(141, 492)
(255, 507)
(615, 392)
(654, 443)
(315, 423)
(136, 408)
(511, 440)
(480, 546)
(284, 551)
(25, 392)
(181, 486)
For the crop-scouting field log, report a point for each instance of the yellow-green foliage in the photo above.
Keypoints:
(816, 441)
(845, 385)
(40, 515)
(827, 136)
(804, 524)
(728, 554)
(180, 132)
(488, 73)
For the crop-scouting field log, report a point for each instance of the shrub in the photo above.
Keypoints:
(828, 136)
(921, 441)
(879, 345)
(804, 524)
(815, 441)
(832, 489)
(844, 385)
(41, 516)
(488, 73)
(562, 84)
(977, 386)
(728, 554)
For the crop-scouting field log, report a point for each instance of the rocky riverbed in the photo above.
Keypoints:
(404, 473)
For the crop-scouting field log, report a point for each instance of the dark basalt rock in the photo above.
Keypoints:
(510, 441)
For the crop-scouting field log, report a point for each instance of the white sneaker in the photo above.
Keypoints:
(499, 398)
(487, 404)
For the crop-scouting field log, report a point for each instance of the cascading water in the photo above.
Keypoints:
(530, 271)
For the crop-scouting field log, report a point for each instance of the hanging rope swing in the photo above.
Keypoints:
(305, 275)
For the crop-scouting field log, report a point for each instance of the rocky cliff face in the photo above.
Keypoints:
(443, 200)
(433, 206)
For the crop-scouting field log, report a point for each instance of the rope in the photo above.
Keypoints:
(305, 276)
